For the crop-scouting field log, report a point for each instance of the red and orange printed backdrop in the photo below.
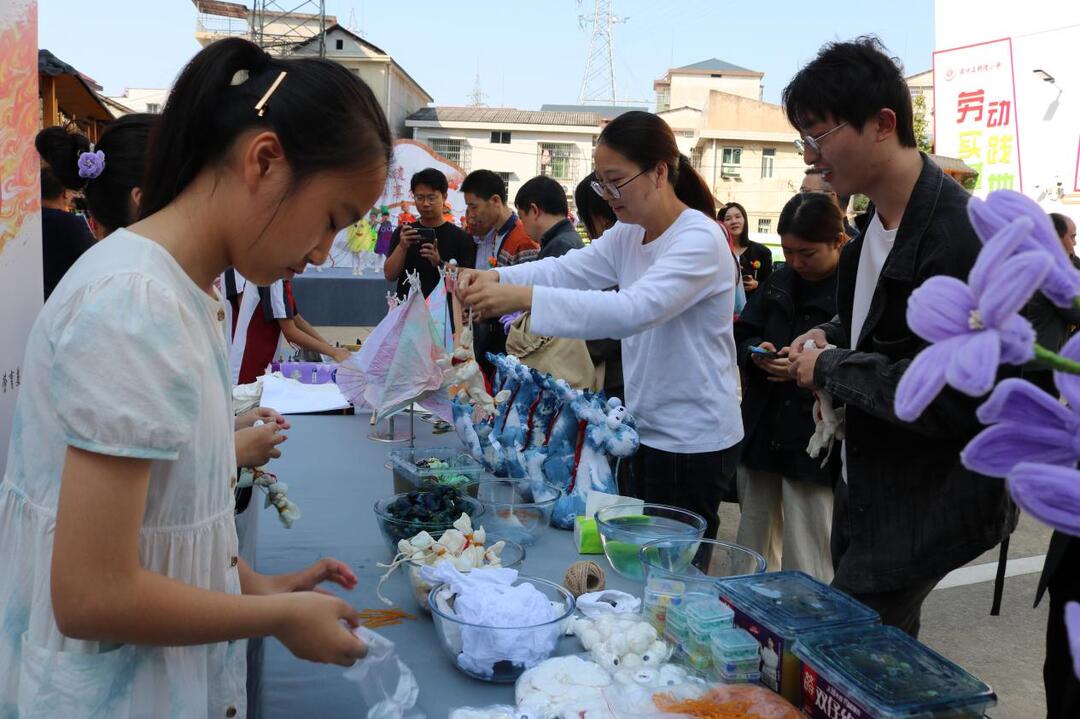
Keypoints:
(20, 208)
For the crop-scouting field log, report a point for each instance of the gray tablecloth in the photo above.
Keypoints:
(335, 475)
(336, 297)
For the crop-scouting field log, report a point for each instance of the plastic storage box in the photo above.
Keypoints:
(705, 618)
(451, 466)
(778, 607)
(880, 672)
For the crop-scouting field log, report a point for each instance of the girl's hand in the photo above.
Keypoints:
(255, 446)
(491, 299)
(265, 414)
(312, 629)
(326, 569)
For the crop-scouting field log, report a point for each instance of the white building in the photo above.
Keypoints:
(398, 93)
(516, 144)
(1044, 81)
(142, 99)
(689, 86)
(742, 146)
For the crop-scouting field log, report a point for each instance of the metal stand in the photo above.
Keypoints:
(393, 435)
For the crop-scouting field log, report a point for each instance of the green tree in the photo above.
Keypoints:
(922, 125)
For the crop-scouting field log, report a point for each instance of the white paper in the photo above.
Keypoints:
(288, 396)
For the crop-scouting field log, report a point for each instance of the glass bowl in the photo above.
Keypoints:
(394, 529)
(457, 637)
(624, 528)
(513, 508)
(511, 557)
(677, 568)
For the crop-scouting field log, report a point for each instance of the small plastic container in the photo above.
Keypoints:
(705, 618)
(676, 630)
(881, 673)
(411, 471)
(394, 529)
(739, 678)
(735, 646)
(778, 607)
(675, 567)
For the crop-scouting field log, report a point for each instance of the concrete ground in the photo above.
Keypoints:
(1005, 651)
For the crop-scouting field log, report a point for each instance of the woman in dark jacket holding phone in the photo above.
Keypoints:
(786, 496)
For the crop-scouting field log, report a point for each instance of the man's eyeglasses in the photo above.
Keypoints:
(814, 143)
(425, 198)
(609, 189)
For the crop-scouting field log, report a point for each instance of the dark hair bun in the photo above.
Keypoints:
(61, 150)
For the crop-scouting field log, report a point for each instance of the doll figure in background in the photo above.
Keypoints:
(406, 217)
(384, 232)
(609, 432)
(558, 464)
(515, 425)
(359, 242)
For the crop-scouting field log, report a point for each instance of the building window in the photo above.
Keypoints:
(663, 99)
(732, 162)
(768, 157)
(451, 149)
(696, 156)
(500, 138)
(153, 107)
(764, 226)
(339, 44)
(556, 160)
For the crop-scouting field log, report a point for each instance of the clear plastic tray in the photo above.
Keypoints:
(410, 475)
(891, 675)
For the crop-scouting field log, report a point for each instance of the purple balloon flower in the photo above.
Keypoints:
(91, 164)
(1072, 623)
(1062, 284)
(1028, 425)
(1048, 493)
(974, 327)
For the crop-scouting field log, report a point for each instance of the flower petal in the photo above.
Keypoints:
(985, 218)
(1011, 284)
(973, 366)
(940, 308)
(1012, 205)
(1017, 341)
(1072, 626)
(997, 450)
(1069, 384)
(1015, 400)
(1004, 243)
(1062, 284)
(922, 381)
(1050, 494)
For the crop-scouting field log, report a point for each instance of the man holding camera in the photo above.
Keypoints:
(425, 245)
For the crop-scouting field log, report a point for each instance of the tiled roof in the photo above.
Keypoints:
(504, 116)
(714, 65)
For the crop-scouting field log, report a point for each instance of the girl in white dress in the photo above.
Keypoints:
(121, 592)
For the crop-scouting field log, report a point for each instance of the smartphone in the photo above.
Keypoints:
(427, 235)
(763, 353)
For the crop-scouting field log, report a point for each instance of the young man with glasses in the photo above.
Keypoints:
(907, 512)
(425, 245)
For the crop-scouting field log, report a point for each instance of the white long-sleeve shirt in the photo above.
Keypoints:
(673, 312)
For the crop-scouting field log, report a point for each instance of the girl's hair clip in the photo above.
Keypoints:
(91, 164)
(260, 106)
(240, 77)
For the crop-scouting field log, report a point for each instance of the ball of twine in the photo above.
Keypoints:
(584, 577)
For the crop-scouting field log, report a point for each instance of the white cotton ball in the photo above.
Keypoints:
(657, 653)
(589, 637)
(631, 661)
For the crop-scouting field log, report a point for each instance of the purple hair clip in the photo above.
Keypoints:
(91, 164)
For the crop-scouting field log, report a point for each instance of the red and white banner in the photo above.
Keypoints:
(975, 112)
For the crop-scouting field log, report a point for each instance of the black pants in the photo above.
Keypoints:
(900, 608)
(1062, 686)
(695, 482)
